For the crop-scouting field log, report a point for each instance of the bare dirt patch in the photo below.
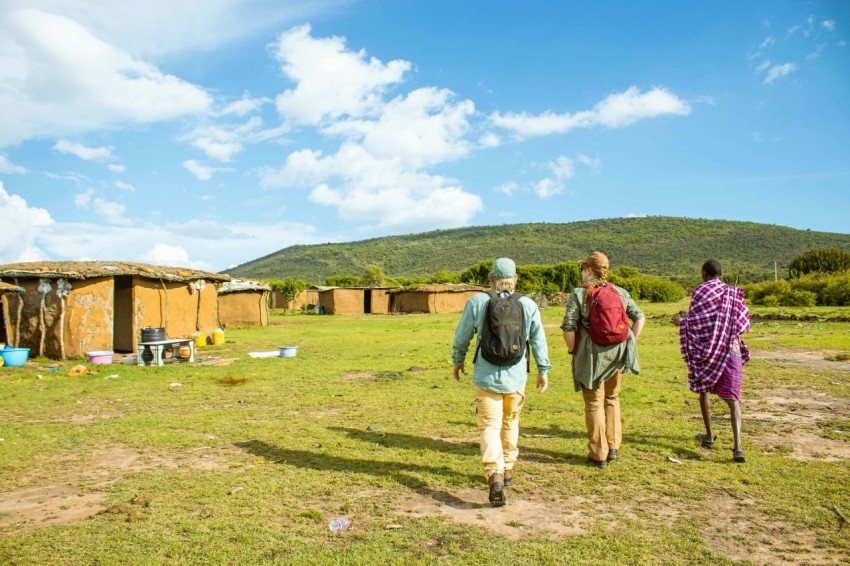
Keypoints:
(791, 420)
(814, 359)
(522, 516)
(85, 474)
(739, 531)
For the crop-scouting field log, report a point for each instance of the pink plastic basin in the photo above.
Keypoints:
(101, 357)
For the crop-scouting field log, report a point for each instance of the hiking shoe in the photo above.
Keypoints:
(705, 440)
(612, 455)
(596, 463)
(509, 476)
(497, 490)
(738, 456)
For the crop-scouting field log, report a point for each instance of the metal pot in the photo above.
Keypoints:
(150, 334)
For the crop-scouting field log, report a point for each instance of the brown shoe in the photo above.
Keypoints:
(509, 476)
(497, 490)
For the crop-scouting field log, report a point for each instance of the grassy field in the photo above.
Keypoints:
(247, 463)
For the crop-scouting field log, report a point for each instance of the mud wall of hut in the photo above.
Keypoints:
(243, 309)
(86, 325)
(175, 306)
(407, 301)
(342, 301)
(380, 302)
(451, 302)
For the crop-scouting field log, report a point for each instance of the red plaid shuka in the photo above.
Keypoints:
(718, 315)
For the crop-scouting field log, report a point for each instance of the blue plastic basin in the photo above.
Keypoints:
(14, 357)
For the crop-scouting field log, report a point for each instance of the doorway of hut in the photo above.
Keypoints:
(367, 301)
(122, 320)
(4, 339)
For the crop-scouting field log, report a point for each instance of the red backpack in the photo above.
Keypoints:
(609, 323)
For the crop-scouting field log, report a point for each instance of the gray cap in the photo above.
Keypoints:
(504, 268)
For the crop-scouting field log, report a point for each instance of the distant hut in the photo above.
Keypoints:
(243, 304)
(355, 300)
(305, 298)
(435, 298)
(7, 292)
(342, 300)
(69, 308)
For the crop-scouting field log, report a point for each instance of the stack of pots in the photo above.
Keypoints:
(150, 334)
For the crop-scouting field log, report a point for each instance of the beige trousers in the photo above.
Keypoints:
(498, 427)
(602, 417)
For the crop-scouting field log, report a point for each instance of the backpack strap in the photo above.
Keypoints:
(492, 294)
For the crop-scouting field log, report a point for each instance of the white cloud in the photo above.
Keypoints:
(116, 168)
(763, 66)
(60, 79)
(562, 168)
(203, 172)
(779, 71)
(222, 142)
(424, 127)
(816, 53)
(331, 81)
(828, 25)
(245, 105)
(378, 190)
(490, 140)
(842, 43)
(157, 27)
(167, 254)
(508, 188)
(21, 227)
(616, 110)
(124, 186)
(75, 178)
(592, 163)
(7, 166)
(110, 212)
(83, 199)
(208, 245)
(636, 215)
(546, 187)
(83, 152)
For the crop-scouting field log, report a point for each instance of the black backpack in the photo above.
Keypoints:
(503, 338)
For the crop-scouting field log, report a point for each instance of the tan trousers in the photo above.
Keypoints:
(498, 427)
(602, 417)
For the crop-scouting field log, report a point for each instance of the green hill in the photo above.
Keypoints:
(665, 246)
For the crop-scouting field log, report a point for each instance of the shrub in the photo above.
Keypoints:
(820, 260)
(343, 281)
(798, 299)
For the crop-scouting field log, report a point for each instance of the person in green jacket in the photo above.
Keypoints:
(598, 370)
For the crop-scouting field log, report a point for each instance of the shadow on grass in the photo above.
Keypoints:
(403, 474)
(472, 448)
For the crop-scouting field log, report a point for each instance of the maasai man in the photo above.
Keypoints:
(711, 344)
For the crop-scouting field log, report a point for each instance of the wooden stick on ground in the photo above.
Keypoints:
(840, 516)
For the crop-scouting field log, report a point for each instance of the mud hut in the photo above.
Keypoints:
(448, 297)
(342, 300)
(355, 300)
(69, 308)
(243, 304)
(305, 298)
(7, 293)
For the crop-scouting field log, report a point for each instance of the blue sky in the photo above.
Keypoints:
(209, 133)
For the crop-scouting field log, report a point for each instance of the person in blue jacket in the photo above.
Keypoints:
(500, 390)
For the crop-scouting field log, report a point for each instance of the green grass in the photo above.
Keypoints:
(367, 419)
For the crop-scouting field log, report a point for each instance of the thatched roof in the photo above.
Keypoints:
(91, 269)
(442, 288)
(9, 288)
(241, 285)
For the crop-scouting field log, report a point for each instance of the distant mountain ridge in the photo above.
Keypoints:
(659, 245)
